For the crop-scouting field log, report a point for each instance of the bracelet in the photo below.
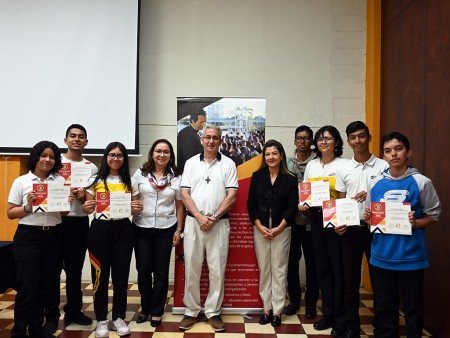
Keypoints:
(180, 229)
(216, 216)
(26, 209)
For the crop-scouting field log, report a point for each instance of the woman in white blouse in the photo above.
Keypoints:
(157, 228)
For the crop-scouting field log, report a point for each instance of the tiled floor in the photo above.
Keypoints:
(237, 326)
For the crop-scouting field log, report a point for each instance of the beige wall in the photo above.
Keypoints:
(306, 57)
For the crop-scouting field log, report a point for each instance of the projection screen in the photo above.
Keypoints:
(64, 62)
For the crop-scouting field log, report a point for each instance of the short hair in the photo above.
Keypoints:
(355, 126)
(76, 126)
(194, 116)
(36, 152)
(212, 126)
(337, 138)
(397, 136)
(304, 128)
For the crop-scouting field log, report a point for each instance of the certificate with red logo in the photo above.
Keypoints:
(339, 212)
(390, 218)
(51, 197)
(113, 205)
(313, 193)
(76, 174)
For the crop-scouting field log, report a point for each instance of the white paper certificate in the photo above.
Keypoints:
(314, 193)
(58, 197)
(120, 204)
(340, 212)
(81, 172)
(390, 218)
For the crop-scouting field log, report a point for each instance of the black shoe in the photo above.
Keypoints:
(155, 322)
(291, 309)
(339, 333)
(50, 327)
(351, 334)
(79, 318)
(310, 312)
(141, 318)
(276, 321)
(321, 325)
(265, 319)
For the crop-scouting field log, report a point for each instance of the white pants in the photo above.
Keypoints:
(214, 243)
(273, 258)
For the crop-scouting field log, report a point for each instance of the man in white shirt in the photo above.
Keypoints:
(352, 181)
(209, 188)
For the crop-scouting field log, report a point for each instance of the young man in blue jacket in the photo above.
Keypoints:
(398, 261)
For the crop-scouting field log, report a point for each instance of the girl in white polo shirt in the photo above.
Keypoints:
(37, 241)
(110, 241)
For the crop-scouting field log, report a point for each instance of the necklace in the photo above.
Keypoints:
(325, 163)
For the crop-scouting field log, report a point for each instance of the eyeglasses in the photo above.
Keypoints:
(162, 152)
(303, 139)
(115, 156)
(324, 139)
(209, 138)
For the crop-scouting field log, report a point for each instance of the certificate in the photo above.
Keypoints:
(76, 174)
(390, 218)
(51, 197)
(339, 212)
(113, 205)
(312, 194)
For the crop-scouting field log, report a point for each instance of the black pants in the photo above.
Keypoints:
(36, 254)
(355, 243)
(74, 239)
(301, 239)
(328, 257)
(152, 249)
(388, 286)
(110, 245)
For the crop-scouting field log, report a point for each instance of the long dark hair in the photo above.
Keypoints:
(36, 152)
(338, 143)
(149, 166)
(283, 165)
(124, 173)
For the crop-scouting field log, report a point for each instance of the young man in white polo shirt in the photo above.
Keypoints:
(209, 187)
(75, 227)
(352, 181)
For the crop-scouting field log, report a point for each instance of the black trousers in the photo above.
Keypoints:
(388, 286)
(74, 245)
(36, 254)
(356, 242)
(328, 257)
(302, 240)
(110, 245)
(152, 249)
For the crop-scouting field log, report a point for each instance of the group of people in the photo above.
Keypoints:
(166, 206)
(333, 256)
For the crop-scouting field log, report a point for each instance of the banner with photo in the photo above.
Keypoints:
(242, 121)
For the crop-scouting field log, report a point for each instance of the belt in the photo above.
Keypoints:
(38, 227)
(224, 216)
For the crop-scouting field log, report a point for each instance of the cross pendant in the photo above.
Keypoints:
(207, 180)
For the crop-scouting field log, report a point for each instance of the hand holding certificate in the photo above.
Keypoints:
(340, 212)
(313, 193)
(113, 205)
(51, 197)
(390, 218)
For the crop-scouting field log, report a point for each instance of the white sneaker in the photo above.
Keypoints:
(102, 329)
(121, 327)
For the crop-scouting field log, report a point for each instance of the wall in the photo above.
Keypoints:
(415, 98)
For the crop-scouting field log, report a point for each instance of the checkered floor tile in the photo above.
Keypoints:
(236, 326)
